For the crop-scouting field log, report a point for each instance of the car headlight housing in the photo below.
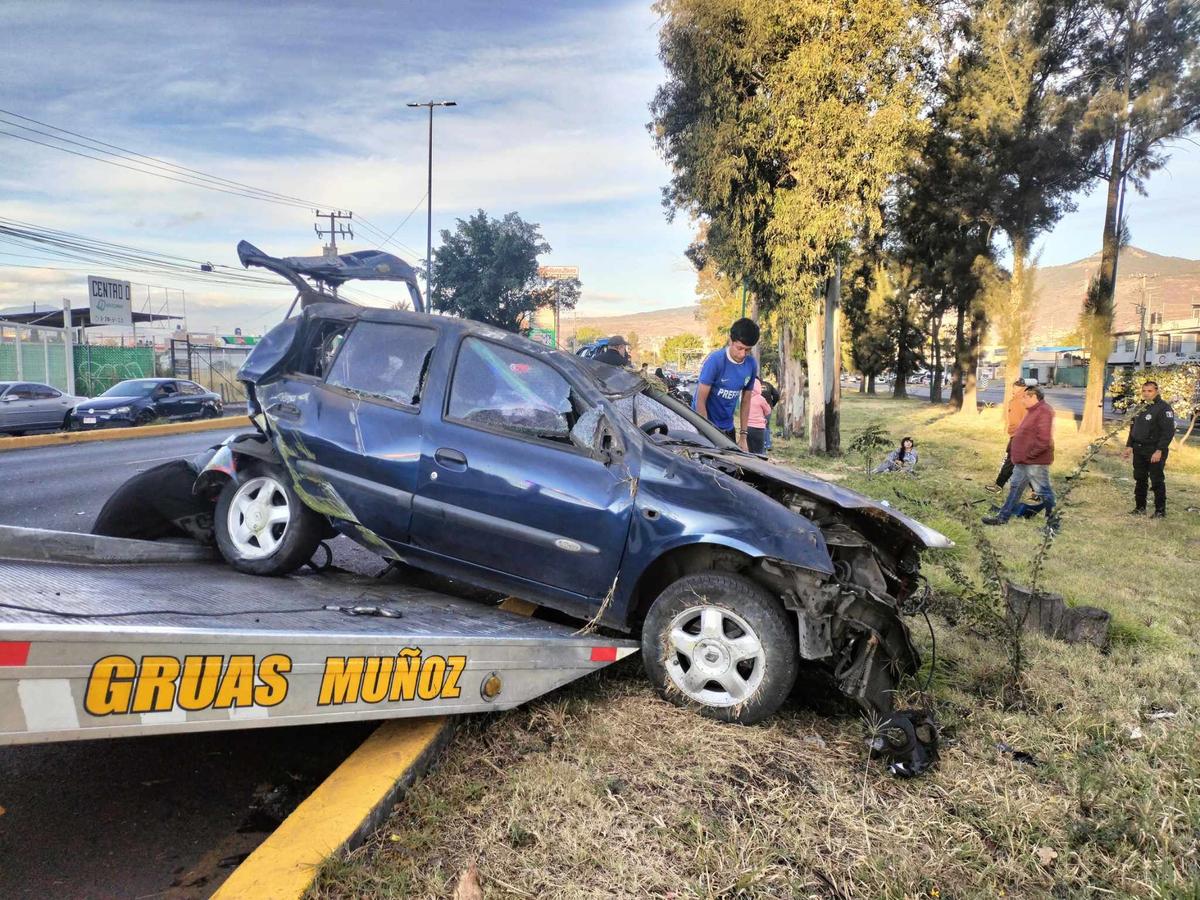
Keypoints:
(120, 409)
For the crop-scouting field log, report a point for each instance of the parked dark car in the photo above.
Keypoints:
(144, 401)
(33, 406)
(487, 458)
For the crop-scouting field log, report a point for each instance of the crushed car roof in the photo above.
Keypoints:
(610, 380)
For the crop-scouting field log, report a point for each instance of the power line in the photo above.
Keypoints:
(144, 164)
(153, 161)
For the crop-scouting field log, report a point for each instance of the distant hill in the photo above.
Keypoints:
(652, 327)
(1172, 288)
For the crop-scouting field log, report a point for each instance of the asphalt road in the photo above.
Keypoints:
(166, 816)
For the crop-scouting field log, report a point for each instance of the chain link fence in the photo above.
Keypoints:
(212, 367)
(99, 366)
(30, 353)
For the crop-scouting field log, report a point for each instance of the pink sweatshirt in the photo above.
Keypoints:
(759, 408)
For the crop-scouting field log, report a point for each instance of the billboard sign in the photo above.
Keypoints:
(110, 301)
(558, 272)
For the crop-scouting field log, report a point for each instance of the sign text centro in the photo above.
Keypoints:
(558, 272)
(110, 301)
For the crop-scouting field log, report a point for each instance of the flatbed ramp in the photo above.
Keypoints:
(91, 648)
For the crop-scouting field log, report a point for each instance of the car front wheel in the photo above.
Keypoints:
(720, 644)
(262, 526)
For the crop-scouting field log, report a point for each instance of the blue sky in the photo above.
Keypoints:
(309, 101)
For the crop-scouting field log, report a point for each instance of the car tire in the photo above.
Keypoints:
(747, 639)
(253, 536)
(210, 412)
(145, 417)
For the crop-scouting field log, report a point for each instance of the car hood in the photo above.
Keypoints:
(831, 493)
(101, 404)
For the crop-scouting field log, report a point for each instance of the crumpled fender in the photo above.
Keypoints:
(220, 463)
(733, 514)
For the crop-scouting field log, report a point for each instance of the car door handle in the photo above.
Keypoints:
(285, 410)
(451, 459)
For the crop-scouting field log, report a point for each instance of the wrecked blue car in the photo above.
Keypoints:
(487, 458)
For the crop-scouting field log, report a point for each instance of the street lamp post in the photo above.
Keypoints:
(429, 197)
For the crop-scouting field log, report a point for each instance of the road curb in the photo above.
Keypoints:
(122, 434)
(342, 812)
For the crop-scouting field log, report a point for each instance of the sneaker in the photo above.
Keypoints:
(994, 520)
(993, 488)
(1138, 511)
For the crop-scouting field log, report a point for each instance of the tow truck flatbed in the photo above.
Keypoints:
(175, 642)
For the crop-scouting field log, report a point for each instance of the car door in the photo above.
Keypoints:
(49, 407)
(191, 400)
(354, 425)
(509, 482)
(18, 407)
(166, 399)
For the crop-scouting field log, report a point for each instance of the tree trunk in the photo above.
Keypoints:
(833, 362)
(813, 334)
(960, 353)
(862, 383)
(871, 385)
(791, 412)
(900, 386)
(1016, 323)
(1099, 323)
(935, 378)
(970, 376)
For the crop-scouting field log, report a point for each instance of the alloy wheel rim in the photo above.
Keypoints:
(258, 517)
(714, 657)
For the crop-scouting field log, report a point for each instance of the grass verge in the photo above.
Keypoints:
(603, 790)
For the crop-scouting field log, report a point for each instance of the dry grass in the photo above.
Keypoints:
(603, 790)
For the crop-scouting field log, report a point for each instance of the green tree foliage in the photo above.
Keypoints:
(1017, 117)
(588, 334)
(680, 347)
(784, 124)
(1141, 68)
(1178, 385)
(719, 300)
(868, 295)
(487, 270)
(904, 328)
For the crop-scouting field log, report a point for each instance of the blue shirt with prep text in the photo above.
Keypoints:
(727, 380)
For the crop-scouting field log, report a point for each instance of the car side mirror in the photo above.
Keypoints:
(610, 449)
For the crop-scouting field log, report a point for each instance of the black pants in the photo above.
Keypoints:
(1144, 470)
(730, 433)
(756, 439)
(1006, 468)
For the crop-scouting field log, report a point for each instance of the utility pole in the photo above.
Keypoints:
(429, 197)
(334, 230)
(1141, 309)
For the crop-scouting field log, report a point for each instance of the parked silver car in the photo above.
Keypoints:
(31, 406)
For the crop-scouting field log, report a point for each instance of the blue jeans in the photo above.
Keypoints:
(1023, 476)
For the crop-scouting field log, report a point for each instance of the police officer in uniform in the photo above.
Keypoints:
(1149, 442)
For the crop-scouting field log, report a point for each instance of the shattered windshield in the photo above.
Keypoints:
(683, 424)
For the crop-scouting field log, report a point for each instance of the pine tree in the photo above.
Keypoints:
(1141, 67)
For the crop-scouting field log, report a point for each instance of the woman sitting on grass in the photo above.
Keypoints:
(902, 459)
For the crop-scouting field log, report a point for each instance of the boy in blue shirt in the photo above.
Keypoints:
(727, 377)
